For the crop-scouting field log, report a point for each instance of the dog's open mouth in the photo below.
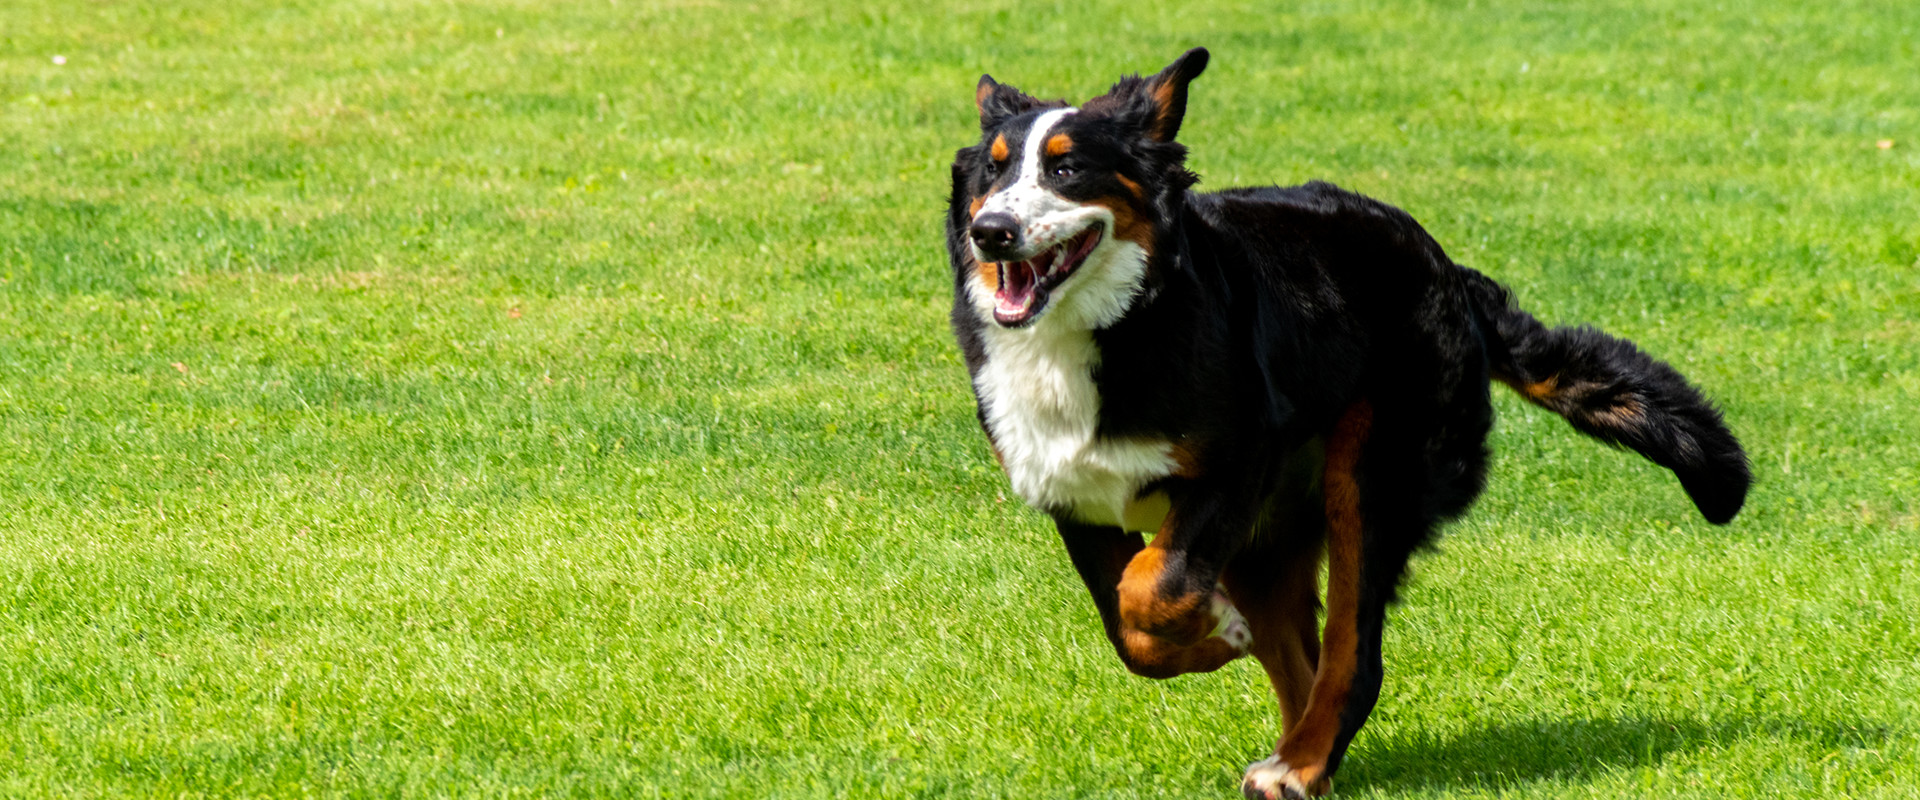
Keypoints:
(1025, 285)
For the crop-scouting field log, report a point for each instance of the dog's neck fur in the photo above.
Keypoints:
(1042, 405)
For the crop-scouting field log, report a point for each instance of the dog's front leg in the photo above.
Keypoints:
(1170, 592)
(1101, 555)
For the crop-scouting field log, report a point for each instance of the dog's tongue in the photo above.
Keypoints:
(1017, 282)
(1022, 278)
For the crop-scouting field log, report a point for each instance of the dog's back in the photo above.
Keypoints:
(1348, 272)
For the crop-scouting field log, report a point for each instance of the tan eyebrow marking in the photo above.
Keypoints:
(999, 151)
(1059, 144)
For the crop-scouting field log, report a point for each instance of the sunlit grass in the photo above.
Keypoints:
(410, 399)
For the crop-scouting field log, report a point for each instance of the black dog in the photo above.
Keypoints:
(1259, 378)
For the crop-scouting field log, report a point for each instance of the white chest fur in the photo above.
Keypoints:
(1043, 410)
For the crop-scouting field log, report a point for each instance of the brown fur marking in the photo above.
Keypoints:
(1163, 105)
(999, 150)
(1141, 608)
(1307, 745)
(1138, 193)
(1629, 413)
(1186, 458)
(1281, 603)
(1059, 145)
(1127, 224)
(989, 272)
(1158, 638)
(1546, 393)
(1146, 609)
(1542, 391)
(1151, 657)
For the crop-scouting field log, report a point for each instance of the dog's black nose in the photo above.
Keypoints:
(995, 232)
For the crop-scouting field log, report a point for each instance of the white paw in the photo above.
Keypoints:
(1231, 626)
(1273, 779)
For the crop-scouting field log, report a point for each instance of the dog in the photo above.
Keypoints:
(1259, 379)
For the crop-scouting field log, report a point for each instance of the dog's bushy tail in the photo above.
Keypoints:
(1610, 390)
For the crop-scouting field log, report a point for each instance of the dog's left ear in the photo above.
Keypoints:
(998, 101)
(1157, 104)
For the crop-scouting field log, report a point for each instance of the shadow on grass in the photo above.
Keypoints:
(1511, 755)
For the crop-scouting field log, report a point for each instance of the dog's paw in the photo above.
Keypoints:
(1272, 779)
(1230, 626)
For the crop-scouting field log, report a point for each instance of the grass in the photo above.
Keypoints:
(516, 399)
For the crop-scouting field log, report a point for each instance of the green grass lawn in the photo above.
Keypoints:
(531, 399)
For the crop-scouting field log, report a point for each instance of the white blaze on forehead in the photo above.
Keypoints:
(1036, 138)
(1101, 289)
(1024, 198)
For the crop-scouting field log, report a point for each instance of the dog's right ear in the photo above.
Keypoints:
(1168, 93)
(1153, 106)
(998, 101)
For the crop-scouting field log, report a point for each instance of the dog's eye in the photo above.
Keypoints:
(1063, 171)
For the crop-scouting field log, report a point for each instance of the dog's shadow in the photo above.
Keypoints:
(1512, 755)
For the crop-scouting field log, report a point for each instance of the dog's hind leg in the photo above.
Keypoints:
(1275, 581)
(1347, 680)
(1277, 587)
(1101, 555)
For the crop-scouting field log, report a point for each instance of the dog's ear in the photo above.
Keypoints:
(998, 101)
(1155, 105)
(1168, 91)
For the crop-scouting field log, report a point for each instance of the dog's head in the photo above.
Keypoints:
(1058, 209)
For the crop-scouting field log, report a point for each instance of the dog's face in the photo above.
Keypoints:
(1064, 204)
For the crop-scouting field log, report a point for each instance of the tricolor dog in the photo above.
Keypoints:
(1256, 379)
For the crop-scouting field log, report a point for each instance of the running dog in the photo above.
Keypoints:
(1258, 379)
